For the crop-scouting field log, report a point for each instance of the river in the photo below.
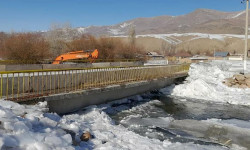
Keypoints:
(164, 117)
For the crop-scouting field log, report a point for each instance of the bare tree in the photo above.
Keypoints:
(3, 37)
(163, 48)
(26, 47)
(132, 35)
(58, 36)
(171, 50)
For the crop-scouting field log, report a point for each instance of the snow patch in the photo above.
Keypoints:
(81, 30)
(124, 25)
(205, 82)
(239, 14)
(115, 31)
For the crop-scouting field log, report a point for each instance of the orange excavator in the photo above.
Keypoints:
(77, 55)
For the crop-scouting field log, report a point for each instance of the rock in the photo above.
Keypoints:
(238, 81)
(236, 86)
(247, 81)
(243, 86)
(229, 80)
(85, 136)
(239, 77)
(242, 82)
(233, 83)
(228, 83)
(247, 75)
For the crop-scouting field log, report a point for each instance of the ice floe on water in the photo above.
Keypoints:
(205, 82)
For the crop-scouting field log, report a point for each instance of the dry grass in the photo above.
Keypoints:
(149, 43)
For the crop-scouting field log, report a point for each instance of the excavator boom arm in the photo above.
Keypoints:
(76, 55)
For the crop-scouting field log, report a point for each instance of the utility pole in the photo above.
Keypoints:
(246, 38)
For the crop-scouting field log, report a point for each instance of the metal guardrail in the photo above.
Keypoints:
(24, 85)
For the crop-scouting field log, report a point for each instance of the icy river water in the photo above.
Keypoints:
(176, 119)
(201, 110)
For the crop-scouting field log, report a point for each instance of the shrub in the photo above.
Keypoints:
(108, 47)
(3, 37)
(26, 47)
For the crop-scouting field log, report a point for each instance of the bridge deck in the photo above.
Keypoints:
(29, 85)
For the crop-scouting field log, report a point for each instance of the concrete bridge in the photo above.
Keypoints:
(68, 90)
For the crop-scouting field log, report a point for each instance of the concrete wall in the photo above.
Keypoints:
(114, 64)
(126, 64)
(23, 67)
(138, 63)
(67, 66)
(70, 102)
(2, 67)
(101, 65)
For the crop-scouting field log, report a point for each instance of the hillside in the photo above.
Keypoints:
(200, 20)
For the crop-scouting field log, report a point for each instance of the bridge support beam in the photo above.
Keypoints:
(70, 102)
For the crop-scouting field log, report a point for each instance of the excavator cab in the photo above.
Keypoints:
(92, 55)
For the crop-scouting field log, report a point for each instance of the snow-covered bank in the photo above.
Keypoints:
(205, 82)
(32, 128)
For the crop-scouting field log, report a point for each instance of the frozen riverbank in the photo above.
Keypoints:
(205, 82)
(32, 128)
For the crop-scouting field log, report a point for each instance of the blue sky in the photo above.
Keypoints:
(32, 15)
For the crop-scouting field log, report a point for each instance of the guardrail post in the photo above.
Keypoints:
(1, 92)
(38, 83)
(7, 86)
(18, 85)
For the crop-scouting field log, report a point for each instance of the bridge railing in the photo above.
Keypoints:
(24, 85)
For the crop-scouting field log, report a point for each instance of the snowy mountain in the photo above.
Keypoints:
(200, 20)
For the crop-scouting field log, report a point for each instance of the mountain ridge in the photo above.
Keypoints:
(199, 20)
